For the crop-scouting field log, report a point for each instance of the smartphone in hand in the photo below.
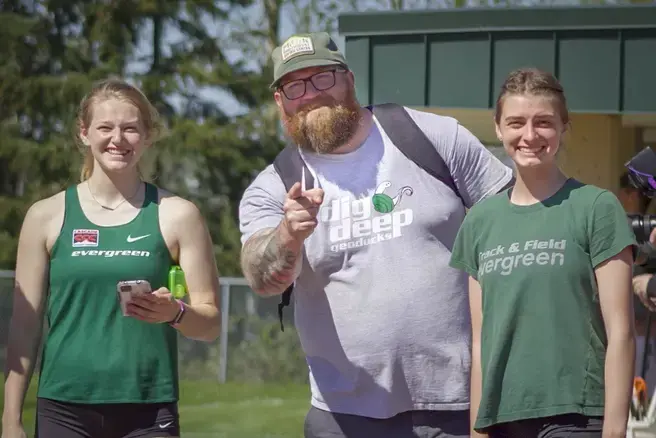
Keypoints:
(130, 288)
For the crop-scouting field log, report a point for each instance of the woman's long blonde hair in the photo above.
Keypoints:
(115, 88)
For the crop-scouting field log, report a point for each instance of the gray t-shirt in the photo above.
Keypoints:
(382, 318)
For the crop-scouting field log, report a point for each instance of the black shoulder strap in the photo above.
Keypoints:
(412, 141)
(290, 166)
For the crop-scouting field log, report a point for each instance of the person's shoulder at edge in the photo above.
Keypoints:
(266, 177)
(45, 217)
(177, 209)
(444, 129)
(490, 202)
(267, 183)
(420, 116)
(580, 192)
(441, 130)
(476, 170)
(261, 204)
(48, 209)
(574, 190)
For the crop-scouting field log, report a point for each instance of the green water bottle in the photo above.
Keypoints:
(177, 284)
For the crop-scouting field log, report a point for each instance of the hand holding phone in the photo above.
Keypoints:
(130, 288)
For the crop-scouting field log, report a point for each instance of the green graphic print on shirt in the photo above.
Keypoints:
(543, 340)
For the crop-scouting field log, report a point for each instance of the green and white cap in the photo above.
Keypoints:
(301, 51)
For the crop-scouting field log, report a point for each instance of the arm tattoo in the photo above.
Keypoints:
(268, 265)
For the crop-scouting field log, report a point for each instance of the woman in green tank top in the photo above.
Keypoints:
(550, 264)
(108, 372)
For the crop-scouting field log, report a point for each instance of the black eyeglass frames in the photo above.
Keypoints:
(321, 81)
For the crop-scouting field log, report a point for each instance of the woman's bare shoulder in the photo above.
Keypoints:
(46, 217)
(44, 209)
(176, 208)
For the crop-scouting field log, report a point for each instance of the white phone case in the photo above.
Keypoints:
(127, 289)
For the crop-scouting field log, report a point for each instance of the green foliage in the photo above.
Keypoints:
(258, 351)
(268, 355)
(51, 53)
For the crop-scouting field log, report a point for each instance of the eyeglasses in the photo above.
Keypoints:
(321, 81)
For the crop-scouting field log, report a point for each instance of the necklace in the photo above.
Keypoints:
(119, 204)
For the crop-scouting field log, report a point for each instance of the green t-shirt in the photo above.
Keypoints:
(543, 340)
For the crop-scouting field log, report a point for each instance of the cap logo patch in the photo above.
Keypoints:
(296, 46)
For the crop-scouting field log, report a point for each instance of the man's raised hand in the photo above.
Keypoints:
(301, 208)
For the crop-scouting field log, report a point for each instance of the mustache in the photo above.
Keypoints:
(331, 103)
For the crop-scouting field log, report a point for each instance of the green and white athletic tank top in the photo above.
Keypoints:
(92, 353)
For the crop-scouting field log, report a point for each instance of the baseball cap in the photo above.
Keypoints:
(305, 50)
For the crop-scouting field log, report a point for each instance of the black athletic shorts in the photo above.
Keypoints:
(55, 419)
(558, 426)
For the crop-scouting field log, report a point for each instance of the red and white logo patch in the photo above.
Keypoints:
(85, 238)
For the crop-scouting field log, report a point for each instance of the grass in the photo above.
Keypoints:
(232, 410)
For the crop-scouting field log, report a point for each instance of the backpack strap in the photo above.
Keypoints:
(290, 166)
(412, 141)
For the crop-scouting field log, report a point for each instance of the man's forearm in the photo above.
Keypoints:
(270, 261)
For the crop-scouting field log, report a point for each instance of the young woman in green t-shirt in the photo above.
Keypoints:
(550, 285)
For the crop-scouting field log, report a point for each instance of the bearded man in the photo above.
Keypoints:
(382, 319)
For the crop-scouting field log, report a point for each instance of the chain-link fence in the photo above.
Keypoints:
(251, 346)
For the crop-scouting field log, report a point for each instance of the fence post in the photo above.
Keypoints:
(225, 326)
